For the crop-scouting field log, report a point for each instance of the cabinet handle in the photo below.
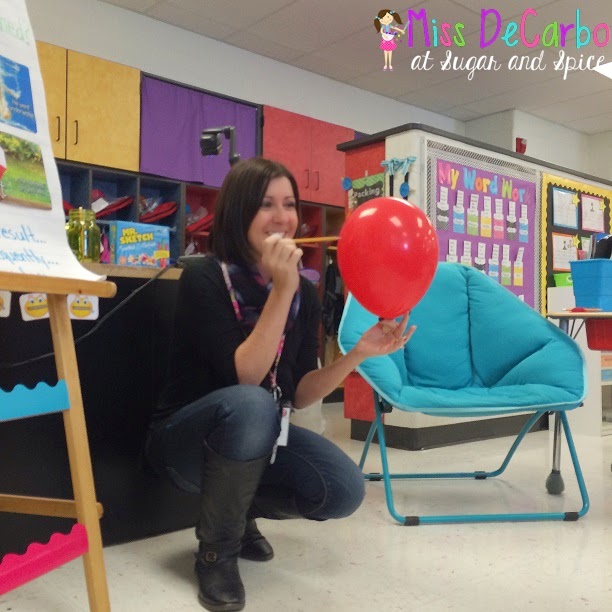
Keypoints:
(307, 179)
(317, 187)
(59, 129)
(76, 134)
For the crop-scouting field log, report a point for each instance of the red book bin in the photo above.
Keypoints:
(599, 334)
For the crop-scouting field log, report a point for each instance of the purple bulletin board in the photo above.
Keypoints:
(487, 219)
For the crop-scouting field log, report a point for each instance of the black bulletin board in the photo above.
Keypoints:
(565, 232)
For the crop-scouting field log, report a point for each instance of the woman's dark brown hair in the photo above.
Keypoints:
(239, 199)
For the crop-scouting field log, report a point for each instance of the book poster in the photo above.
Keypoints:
(486, 219)
(32, 224)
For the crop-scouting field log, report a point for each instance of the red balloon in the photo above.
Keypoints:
(387, 255)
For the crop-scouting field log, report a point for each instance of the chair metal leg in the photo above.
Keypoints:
(579, 477)
(367, 443)
(378, 426)
(519, 438)
(554, 482)
(478, 475)
(370, 435)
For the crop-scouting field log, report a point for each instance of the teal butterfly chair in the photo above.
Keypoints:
(478, 351)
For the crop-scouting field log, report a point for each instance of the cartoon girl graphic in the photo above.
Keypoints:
(382, 23)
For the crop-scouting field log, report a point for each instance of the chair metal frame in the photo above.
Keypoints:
(554, 483)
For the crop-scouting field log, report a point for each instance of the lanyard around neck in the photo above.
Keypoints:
(272, 374)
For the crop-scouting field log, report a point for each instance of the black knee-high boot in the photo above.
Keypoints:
(228, 488)
(276, 503)
(254, 545)
(271, 503)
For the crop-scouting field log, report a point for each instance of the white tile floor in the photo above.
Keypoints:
(369, 562)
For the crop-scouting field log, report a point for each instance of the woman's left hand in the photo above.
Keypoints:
(387, 336)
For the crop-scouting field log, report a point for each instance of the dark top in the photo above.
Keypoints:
(207, 334)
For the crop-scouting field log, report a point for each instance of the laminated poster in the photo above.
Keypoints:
(366, 188)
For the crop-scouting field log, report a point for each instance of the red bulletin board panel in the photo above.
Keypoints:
(365, 160)
(358, 395)
(358, 398)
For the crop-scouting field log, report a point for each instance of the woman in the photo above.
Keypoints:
(246, 345)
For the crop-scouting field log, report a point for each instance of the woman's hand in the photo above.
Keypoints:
(387, 336)
(280, 257)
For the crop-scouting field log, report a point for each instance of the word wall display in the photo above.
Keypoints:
(485, 218)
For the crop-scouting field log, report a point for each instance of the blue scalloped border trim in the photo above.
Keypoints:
(22, 402)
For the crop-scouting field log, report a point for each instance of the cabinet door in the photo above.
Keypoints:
(287, 139)
(173, 118)
(220, 112)
(103, 112)
(52, 61)
(170, 130)
(328, 164)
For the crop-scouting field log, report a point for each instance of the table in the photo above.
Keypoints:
(574, 315)
(565, 318)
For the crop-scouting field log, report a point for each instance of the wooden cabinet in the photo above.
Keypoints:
(93, 107)
(199, 210)
(286, 139)
(312, 223)
(328, 163)
(308, 148)
(53, 69)
(82, 183)
(319, 220)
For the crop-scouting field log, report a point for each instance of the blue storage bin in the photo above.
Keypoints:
(592, 283)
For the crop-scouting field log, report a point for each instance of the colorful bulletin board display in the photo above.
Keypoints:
(572, 211)
(366, 188)
(484, 212)
(32, 224)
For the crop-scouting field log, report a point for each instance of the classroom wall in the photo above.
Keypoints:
(553, 142)
(495, 129)
(113, 33)
(546, 140)
(599, 154)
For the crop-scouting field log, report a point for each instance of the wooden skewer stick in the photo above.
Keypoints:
(315, 239)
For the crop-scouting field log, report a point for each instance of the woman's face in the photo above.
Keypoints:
(276, 215)
(387, 19)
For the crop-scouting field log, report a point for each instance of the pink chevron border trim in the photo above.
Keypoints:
(39, 559)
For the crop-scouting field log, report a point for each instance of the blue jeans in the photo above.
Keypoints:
(242, 423)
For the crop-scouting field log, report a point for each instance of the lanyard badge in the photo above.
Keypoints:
(283, 437)
(283, 407)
